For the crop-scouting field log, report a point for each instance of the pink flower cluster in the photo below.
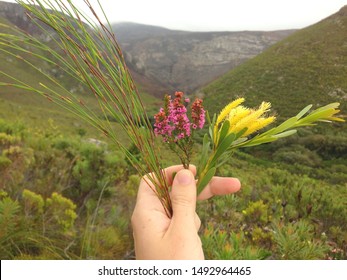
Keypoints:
(198, 114)
(172, 121)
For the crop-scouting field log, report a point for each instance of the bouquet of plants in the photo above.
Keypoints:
(85, 49)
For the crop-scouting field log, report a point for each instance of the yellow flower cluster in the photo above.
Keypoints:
(62, 209)
(6, 139)
(241, 117)
(33, 201)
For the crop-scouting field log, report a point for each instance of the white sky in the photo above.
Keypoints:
(219, 15)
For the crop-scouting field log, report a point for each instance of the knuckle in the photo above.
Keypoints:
(182, 200)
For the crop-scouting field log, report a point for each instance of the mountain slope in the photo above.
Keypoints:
(310, 66)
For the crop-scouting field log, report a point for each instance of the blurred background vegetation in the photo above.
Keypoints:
(66, 196)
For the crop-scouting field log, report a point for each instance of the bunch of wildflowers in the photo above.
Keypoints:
(173, 124)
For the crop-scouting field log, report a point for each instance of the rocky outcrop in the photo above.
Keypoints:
(188, 60)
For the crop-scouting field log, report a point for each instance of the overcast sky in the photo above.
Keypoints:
(220, 15)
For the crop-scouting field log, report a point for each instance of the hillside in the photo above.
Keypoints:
(181, 60)
(310, 66)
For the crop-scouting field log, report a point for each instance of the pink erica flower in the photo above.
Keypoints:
(172, 121)
(173, 124)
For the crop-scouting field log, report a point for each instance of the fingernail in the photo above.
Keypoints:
(184, 177)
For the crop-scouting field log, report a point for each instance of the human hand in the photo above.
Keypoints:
(158, 237)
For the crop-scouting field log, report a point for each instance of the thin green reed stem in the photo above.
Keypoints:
(77, 48)
(92, 57)
(138, 100)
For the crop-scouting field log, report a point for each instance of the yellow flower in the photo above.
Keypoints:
(241, 117)
(259, 124)
(225, 112)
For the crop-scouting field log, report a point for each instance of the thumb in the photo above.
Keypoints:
(183, 198)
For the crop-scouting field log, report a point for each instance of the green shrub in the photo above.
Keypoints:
(35, 227)
(12, 128)
(296, 241)
(256, 212)
(6, 139)
(4, 162)
(223, 245)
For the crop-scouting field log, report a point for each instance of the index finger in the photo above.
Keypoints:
(220, 186)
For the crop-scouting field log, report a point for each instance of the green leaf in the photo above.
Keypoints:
(226, 143)
(211, 127)
(238, 141)
(204, 153)
(317, 115)
(286, 133)
(304, 111)
(207, 178)
(256, 142)
(210, 132)
(329, 106)
(223, 131)
(241, 132)
(208, 117)
(282, 127)
(262, 139)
